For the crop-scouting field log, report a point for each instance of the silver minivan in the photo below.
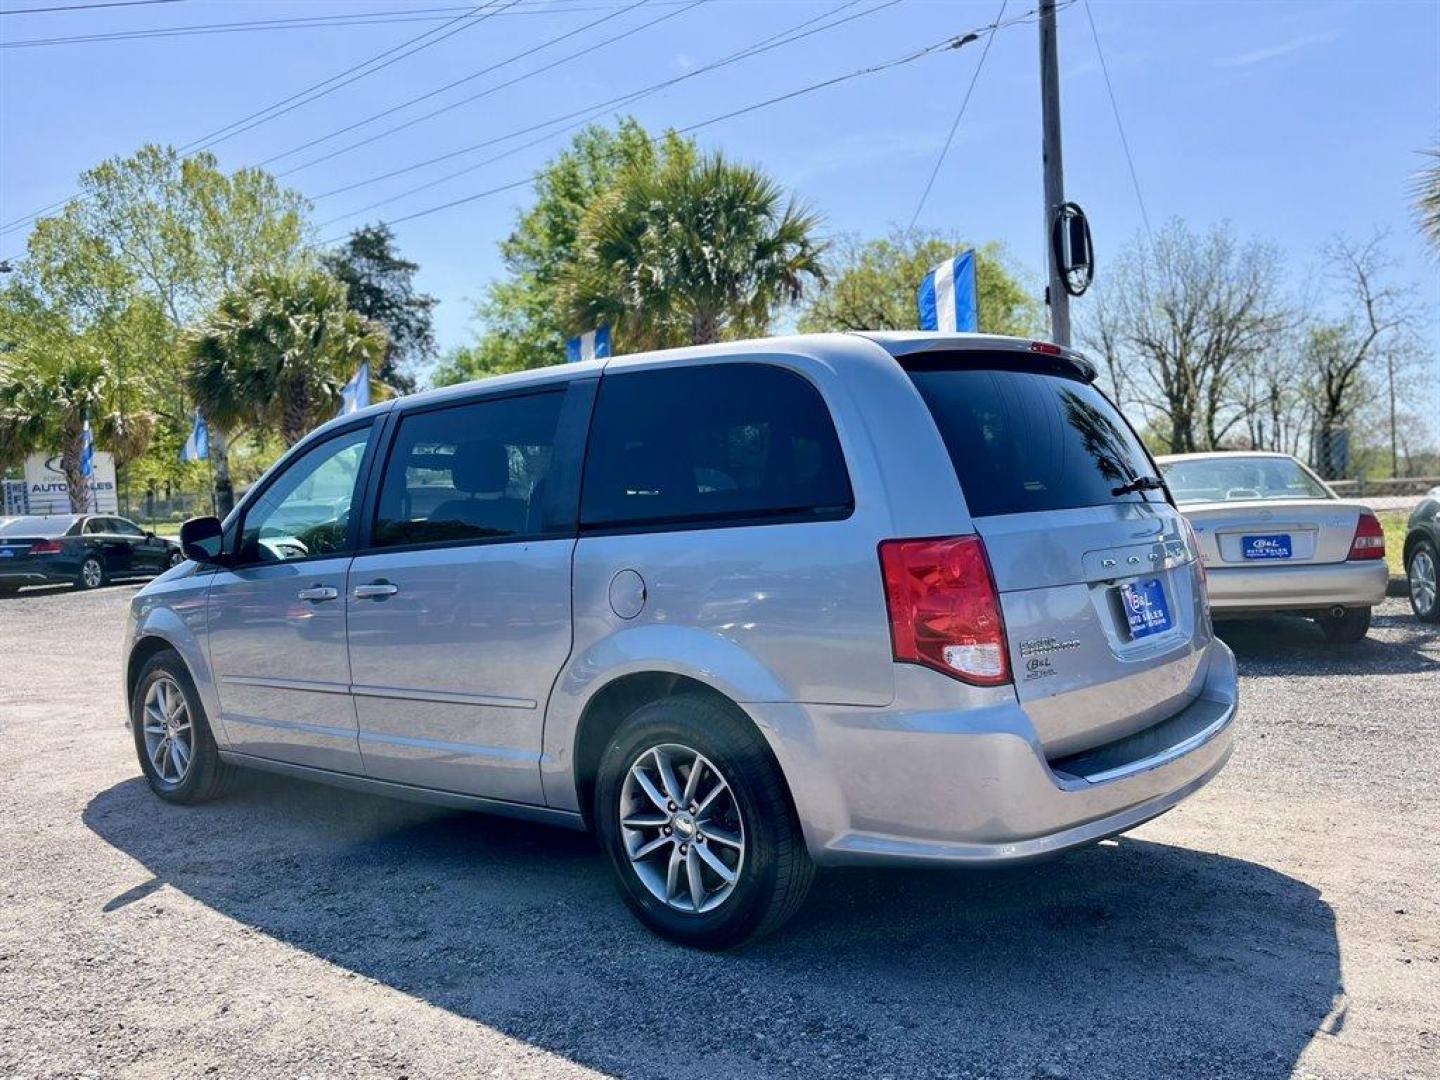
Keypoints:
(741, 610)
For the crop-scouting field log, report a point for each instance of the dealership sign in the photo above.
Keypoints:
(47, 492)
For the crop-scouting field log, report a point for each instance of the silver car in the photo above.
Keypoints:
(741, 610)
(1276, 539)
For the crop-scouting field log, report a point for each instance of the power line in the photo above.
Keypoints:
(785, 37)
(948, 43)
(245, 123)
(1114, 108)
(87, 7)
(306, 22)
(959, 115)
(473, 75)
(459, 23)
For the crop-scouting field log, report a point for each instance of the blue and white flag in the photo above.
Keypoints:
(355, 395)
(947, 296)
(87, 451)
(592, 346)
(197, 446)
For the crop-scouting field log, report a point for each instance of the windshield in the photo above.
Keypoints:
(1241, 479)
(1031, 441)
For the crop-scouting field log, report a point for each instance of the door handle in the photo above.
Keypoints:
(318, 592)
(377, 590)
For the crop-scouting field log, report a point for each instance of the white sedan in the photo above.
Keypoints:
(1275, 539)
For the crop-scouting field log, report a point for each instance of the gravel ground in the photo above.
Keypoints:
(1285, 922)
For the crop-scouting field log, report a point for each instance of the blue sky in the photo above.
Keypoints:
(1294, 120)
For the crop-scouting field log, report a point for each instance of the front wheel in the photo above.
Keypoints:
(1421, 574)
(1348, 628)
(692, 810)
(92, 573)
(175, 559)
(172, 733)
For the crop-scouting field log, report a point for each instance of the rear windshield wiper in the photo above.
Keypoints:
(1140, 483)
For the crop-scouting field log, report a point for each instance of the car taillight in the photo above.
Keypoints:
(1195, 547)
(944, 608)
(1369, 542)
(46, 547)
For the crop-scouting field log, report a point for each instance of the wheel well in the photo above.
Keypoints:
(1411, 543)
(144, 649)
(617, 700)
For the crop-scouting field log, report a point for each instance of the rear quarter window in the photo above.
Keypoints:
(718, 444)
(1030, 441)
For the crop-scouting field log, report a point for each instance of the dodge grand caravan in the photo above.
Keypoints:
(741, 610)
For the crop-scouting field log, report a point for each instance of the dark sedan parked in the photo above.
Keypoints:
(85, 550)
(1422, 557)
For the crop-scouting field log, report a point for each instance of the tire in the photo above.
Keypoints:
(206, 776)
(1422, 574)
(772, 868)
(1348, 628)
(92, 573)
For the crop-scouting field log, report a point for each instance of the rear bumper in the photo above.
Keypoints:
(33, 570)
(1238, 590)
(975, 788)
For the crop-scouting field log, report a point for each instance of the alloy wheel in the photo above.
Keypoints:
(92, 573)
(682, 828)
(1423, 585)
(169, 736)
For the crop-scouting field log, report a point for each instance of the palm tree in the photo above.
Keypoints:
(1427, 198)
(277, 352)
(44, 403)
(688, 252)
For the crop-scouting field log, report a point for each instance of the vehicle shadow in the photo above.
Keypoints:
(1284, 645)
(1131, 958)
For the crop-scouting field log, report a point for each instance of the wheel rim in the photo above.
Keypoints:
(1422, 582)
(682, 828)
(169, 742)
(92, 573)
(176, 558)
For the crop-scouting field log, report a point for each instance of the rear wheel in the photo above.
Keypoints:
(691, 808)
(172, 734)
(1348, 628)
(92, 573)
(1421, 574)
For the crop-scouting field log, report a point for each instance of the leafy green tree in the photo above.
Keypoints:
(692, 251)
(278, 351)
(873, 285)
(382, 288)
(521, 322)
(147, 248)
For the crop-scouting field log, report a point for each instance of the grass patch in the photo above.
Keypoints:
(1393, 522)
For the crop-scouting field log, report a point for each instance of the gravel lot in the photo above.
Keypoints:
(1285, 922)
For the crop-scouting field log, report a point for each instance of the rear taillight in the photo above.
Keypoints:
(1369, 542)
(1194, 542)
(46, 547)
(944, 608)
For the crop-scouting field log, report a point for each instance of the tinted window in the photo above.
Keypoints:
(96, 526)
(38, 526)
(727, 442)
(1028, 441)
(1240, 479)
(305, 512)
(472, 472)
(125, 528)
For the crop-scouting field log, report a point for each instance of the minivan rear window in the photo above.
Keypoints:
(1029, 441)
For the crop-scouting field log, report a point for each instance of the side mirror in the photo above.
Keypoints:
(200, 539)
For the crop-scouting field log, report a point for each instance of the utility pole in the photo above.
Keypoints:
(1055, 293)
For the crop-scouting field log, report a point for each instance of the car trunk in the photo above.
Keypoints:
(1283, 532)
(1099, 587)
